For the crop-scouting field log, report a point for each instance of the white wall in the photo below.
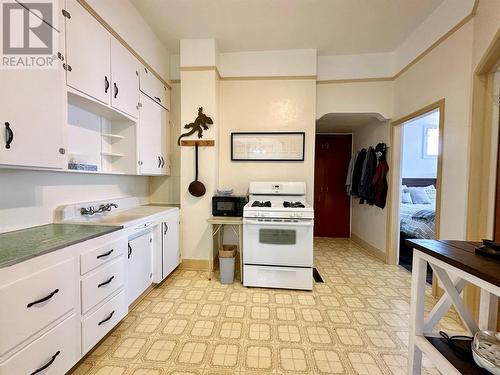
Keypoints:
(266, 105)
(414, 164)
(445, 73)
(368, 65)
(268, 63)
(124, 18)
(29, 198)
(355, 97)
(387, 64)
(369, 223)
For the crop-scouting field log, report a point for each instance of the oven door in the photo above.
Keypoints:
(278, 242)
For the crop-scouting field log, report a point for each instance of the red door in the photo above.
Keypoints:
(332, 206)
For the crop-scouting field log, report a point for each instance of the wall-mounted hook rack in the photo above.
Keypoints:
(191, 143)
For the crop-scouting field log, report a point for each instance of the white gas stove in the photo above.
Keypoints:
(278, 236)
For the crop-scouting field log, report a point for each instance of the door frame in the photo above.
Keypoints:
(394, 192)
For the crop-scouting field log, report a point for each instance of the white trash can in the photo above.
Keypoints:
(227, 258)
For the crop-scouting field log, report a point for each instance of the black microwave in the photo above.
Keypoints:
(231, 205)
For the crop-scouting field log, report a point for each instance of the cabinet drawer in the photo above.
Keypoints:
(102, 283)
(154, 88)
(278, 277)
(96, 257)
(102, 321)
(57, 351)
(32, 303)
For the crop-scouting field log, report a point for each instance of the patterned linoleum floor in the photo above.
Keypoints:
(354, 323)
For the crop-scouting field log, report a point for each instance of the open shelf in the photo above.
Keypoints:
(113, 136)
(101, 136)
(112, 154)
(463, 365)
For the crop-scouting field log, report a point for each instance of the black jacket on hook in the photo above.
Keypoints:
(379, 181)
(356, 173)
(366, 190)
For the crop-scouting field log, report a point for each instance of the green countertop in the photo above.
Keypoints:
(21, 245)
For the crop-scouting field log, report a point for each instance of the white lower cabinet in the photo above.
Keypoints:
(58, 306)
(99, 256)
(101, 284)
(170, 244)
(99, 323)
(54, 353)
(34, 301)
(139, 266)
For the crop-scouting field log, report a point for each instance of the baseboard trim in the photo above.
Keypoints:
(194, 264)
(376, 252)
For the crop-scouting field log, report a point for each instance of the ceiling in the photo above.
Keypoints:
(346, 122)
(333, 27)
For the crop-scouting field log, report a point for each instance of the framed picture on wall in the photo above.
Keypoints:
(268, 146)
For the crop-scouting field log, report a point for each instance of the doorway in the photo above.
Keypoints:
(421, 220)
(417, 206)
(332, 207)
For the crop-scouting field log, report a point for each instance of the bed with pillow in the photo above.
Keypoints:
(418, 208)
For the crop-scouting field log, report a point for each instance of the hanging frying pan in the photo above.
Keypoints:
(196, 188)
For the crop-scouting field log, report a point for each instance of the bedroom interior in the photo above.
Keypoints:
(417, 211)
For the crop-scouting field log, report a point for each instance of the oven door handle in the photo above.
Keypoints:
(300, 223)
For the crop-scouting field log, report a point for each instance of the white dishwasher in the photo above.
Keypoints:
(139, 262)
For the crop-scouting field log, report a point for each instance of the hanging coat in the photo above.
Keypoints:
(365, 189)
(350, 170)
(379, 184)
(379, 181)
(356, 173)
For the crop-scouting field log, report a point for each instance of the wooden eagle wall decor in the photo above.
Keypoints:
(201, 123)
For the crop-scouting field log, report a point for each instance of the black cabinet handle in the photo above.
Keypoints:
(116, 89)
(159, 162)
(157, 98)
(105, 254)
(129, 251)
(106, 282)
(162, 162)
(9, 134)
(109, 317)
(42, 299)
(47, 364)
(166, 229)
(106, 84)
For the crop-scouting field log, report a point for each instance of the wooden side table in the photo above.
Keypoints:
(455, 264)
(218, 223)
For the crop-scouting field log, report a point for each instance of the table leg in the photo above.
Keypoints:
(211, 252)
(419, 270)
(240, 249)
(488, 311)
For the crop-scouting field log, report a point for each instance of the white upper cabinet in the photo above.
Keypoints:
(33, 114)
(125, 80)
(154, 88)
(165, 143)
(149, 140)
(87, 53)
(152, 138)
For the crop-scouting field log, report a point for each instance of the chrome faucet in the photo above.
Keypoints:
(87, 211)
(102, 208)
(106, 207)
